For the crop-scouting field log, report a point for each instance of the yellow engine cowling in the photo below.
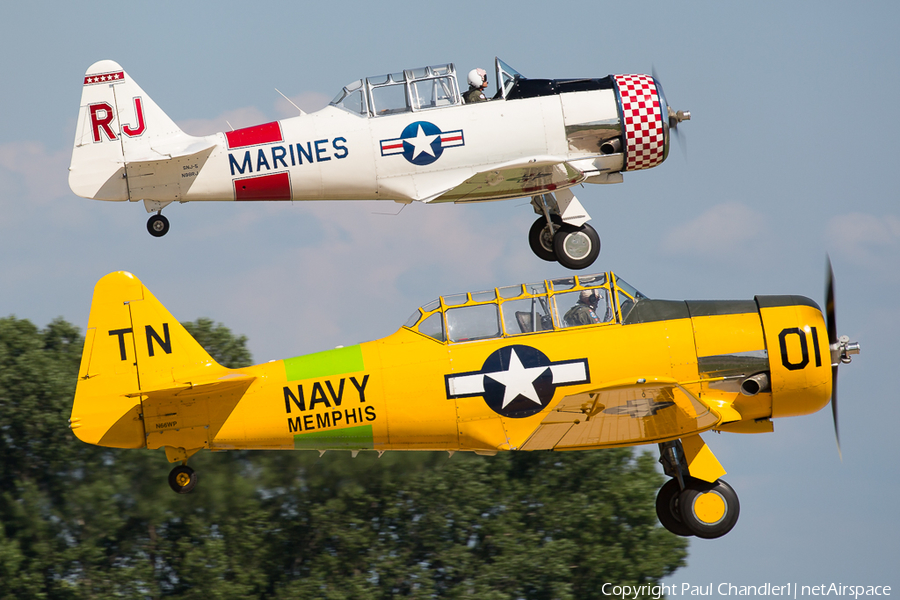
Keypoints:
(799, 357)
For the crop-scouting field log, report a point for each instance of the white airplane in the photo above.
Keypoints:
(407, 136)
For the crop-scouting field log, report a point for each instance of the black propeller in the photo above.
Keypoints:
(841, 348)
(675, 117)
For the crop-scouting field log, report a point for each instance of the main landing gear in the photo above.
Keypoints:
(688, 506)
(158, 225)
(182, 479)
(561, 232)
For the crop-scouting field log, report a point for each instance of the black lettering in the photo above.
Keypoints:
(307, 153)
(165, 345)
(323, 420)
(804, 349)
(348, 414)
(320, 151)
(294, 424)
(360, 387)
(261, 160)
(340, 394)
(278, 153)
(370, 413)
(121, 333)
(815, 339)
(289, 397)
(240, 167)
(342, 151)
(317, 396)
(336, 416)
(307, 422)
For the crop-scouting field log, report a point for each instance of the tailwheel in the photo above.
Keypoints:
(708, 510)
(576, 247)
(182, 479)
(540, 237)
(668, 511)
(158, 225)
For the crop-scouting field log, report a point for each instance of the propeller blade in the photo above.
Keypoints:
(829, 303)
(834, 410)
(831, 323)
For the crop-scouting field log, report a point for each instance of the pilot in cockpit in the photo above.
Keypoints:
(478, 82)
(585, 310)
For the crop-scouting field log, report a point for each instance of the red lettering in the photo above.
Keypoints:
(139, 111)
(101, 116)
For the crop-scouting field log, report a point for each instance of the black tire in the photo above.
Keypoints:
(540, 238)
(576, 248)
(182, 479)
(667, 509)
(158, 225)
(709, 510)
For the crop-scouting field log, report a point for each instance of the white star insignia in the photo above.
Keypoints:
(518, 380)
(421, 143)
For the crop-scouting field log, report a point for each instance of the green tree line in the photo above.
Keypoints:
(79, 521)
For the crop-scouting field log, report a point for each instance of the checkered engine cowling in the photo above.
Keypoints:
(644, 121)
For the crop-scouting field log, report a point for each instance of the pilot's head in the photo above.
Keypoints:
(589, 297)
(478, 78)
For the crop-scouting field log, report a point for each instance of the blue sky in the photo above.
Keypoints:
(790, 155)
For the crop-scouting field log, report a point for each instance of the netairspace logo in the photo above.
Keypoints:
(788, 590)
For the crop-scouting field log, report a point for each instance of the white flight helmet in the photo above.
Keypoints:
(477, 77)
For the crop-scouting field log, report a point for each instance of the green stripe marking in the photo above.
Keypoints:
(325, 364)
(349, 438)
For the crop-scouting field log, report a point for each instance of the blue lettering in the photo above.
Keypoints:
(307, 153)
(293, 162)
(320, 151)
(278, 153)
(342, 151)
(261, 160)
(240, 167)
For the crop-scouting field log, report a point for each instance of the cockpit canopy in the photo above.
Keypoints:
(411, 90)
(585, 300)
(415, 90)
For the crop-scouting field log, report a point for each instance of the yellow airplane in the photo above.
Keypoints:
(574, 363)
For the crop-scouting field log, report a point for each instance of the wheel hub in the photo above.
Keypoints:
(577, 246)
(709, 508)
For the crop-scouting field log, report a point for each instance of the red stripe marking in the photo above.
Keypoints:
(264, 187)
(104, 77)
(394, 147)
(258, 134)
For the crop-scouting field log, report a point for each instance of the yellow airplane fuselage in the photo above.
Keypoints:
(468, 373)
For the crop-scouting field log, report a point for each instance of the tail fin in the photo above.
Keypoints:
(142, 373)
(119, 127)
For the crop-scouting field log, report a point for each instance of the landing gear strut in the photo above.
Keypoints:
(561, 233)
(688, 506)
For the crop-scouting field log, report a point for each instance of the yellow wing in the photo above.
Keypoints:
(623, 413)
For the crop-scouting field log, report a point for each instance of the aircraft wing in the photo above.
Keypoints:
(623, 413)
(515, 179)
